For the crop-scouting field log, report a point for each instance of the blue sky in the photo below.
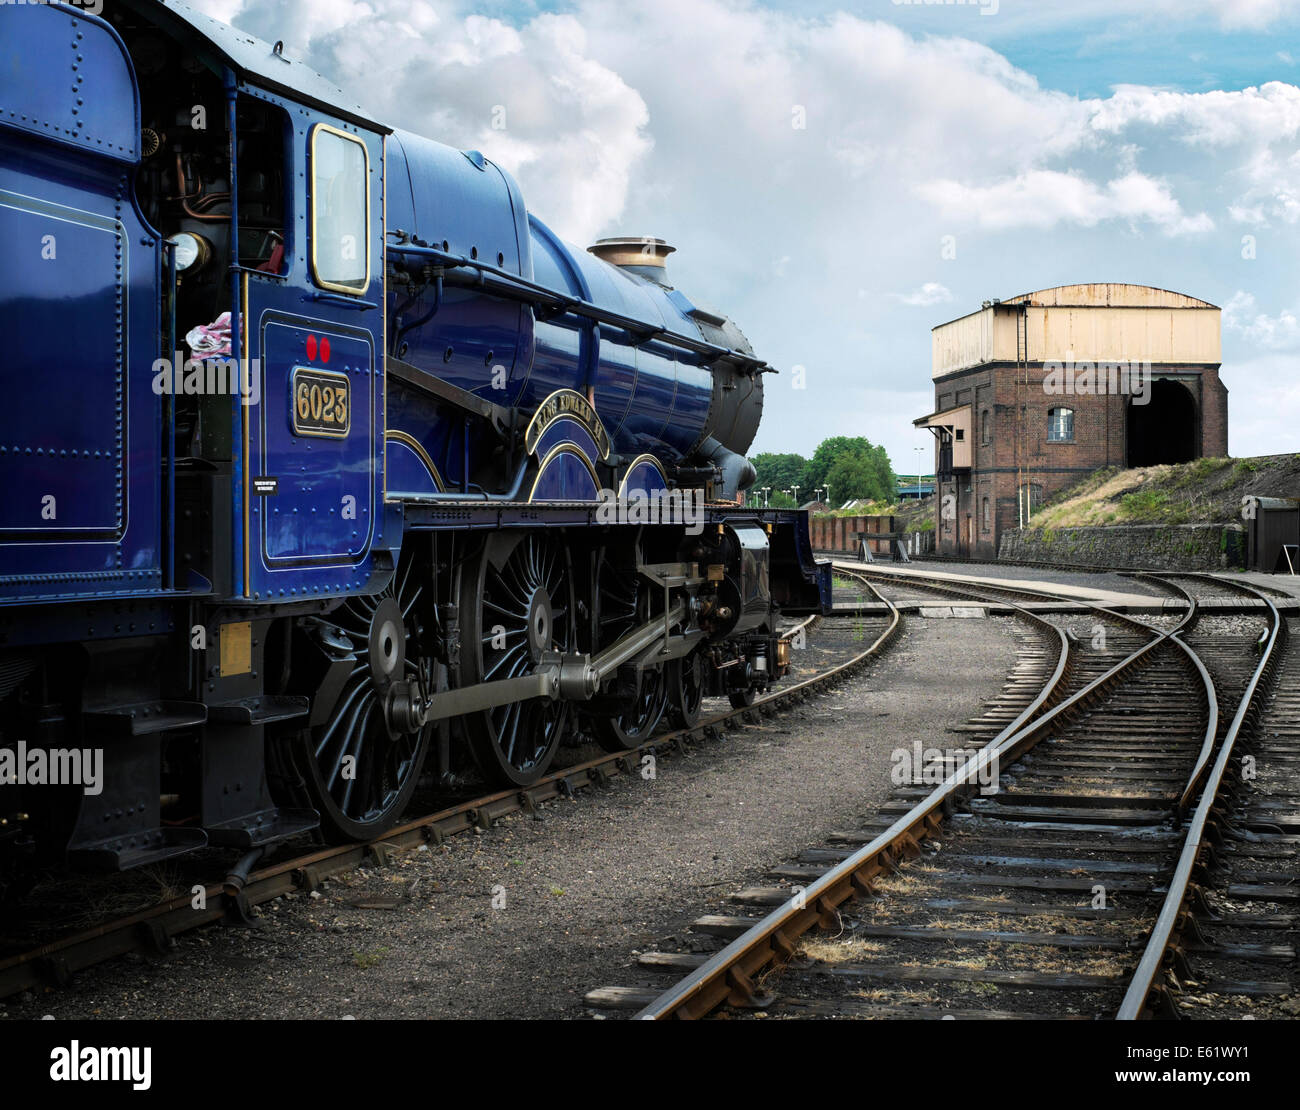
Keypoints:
(809, 160)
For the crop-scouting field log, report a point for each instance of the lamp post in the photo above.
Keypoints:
(765, 490)
(918, 451)
(796, 497)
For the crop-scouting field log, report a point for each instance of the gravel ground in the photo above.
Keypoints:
(580, 887)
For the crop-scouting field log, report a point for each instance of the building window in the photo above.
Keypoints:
(984, 428)
(986, 516)
(1060, 425)
(961, 435)
(340, 210)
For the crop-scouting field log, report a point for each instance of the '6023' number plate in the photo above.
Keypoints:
(320, 403)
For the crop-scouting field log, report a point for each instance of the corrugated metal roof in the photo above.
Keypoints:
(1108, 294)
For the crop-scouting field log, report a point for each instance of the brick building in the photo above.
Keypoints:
(1033, 393)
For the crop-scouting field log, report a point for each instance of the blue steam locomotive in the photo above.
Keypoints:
(329, 469)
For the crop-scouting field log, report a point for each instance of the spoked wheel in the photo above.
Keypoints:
(516, 601)
(685, 679)
(623, 602)
(363, 765)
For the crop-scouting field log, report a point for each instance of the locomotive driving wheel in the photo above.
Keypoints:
(516, 602)
(686, 689)
(363, 764)
(624, 601)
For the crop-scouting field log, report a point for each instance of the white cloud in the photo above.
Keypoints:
(1044, 198)
(1269, 333)
(929, 293)
(1251, 14)
(573, 128)
(1264, 401)
(793, 160)
(1267, 114)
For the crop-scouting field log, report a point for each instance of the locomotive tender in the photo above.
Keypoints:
(327, 467)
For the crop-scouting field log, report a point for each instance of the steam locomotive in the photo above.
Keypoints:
(327, 467)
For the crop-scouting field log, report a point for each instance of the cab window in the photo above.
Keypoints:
(340, 210)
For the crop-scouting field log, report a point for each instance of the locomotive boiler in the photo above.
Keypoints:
(327, 468)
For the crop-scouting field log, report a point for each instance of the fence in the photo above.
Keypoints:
(838, 535)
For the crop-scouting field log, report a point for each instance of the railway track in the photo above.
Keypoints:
(255, 880)
(1079, 888)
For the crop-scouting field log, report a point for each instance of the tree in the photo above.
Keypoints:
(780, 471)
(781, 500)
(854, 475)
(853, 468)
(828, 451)
(848, 465)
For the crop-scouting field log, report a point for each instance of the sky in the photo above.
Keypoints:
(840, 178)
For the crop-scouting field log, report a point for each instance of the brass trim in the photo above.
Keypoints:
(583, 411)
(398, 436)
(381, 371)
(563, 449)
(622, 482)
(244, 340)
(318, 433)
(338, 287)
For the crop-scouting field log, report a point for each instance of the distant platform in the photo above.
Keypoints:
(1121, 600)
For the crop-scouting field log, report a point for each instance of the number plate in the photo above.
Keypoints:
(321, 403)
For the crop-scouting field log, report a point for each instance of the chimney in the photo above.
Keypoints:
(641, 255)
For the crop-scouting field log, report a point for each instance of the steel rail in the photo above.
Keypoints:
(978, 590)
(1138, 997)
(729, 975)
(151, 929)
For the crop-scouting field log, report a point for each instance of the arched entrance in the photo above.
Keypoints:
(1164, 429)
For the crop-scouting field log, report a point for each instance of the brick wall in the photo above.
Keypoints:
(1100, 434)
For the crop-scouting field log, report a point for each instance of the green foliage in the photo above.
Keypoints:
(780, 472)
(854, 469)
(851, 466)
(1145, 505)
(781, 500)
(375, 956)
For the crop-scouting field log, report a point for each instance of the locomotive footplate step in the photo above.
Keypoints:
(121, 853)
(146, 717)
(262, 710)
(262, 828)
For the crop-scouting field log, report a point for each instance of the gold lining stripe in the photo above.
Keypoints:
(622, 485)
(588, 418)
(415, 445)
(353, 290)
(248, 462)
(563, 449)
(382, 370)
